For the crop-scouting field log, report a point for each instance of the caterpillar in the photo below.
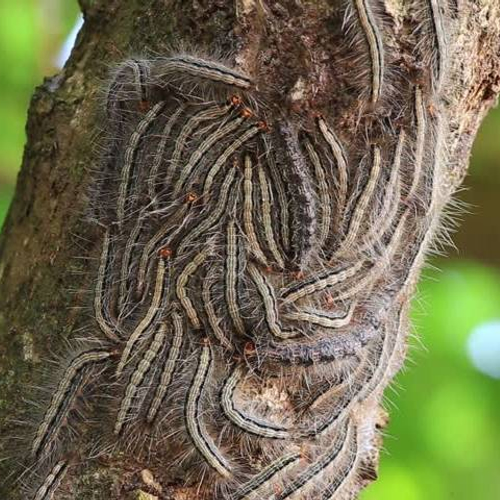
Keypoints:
(346, 470)
(181, 283)
(269, 301)
(373, 37)
(280, 193)
(138, 375)
(60, 404)
(320, 282)
(440, 47)
(267, 218)
(324, 194)
(248, 213)
(199, 436)
(340, 156)
(105, 323)
(303, 213)
(214, 321)
(391, 205)
(146, 321)
(202, 68)
(244, 421)
(129, 158)
(52, 481)
(232, 273)
(321, 318)
(203, 148)
(361, 204)
(168, 368)
(235, 145)
(267, 476)
(227, 192)
(317, 468)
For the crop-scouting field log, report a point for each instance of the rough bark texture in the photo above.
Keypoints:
(43, 277)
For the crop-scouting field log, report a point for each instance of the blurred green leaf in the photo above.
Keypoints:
(445, 421)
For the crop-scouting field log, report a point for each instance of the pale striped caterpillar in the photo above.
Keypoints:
(322, 318)
(373, 38)
(359, 210)
(232, 275)
(247, 422)
(320, 282)
(308, 478)
(129, 158)
(214, 321)
(341, 160)
(434, 44)
(147, 320)
(210, 141)
(181, 285)
(280, 194)
(248, 213)
(271, 240)
(138, 375)
(105, 323)
(203, 69)
(345, 471)
(391, 205)
(269, 302)
(267, 476)
(52, 481)
(325, 197)
(194, 424)
(62, 400)
(168, 368)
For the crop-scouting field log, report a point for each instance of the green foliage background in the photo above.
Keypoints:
(443, 442)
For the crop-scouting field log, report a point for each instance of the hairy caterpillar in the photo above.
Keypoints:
(321, 318)
(318, 468)
(252, 239)
(269, 301)
(266, 476)
(214, 321)
(248, 213)
(181, 283)
(373, 39)
(204, 147)
(103, 322)
(267, 218)
(202, 442)
(340, 157)
(60, 404)
(138, 375)
(247, 422)
(318, 283)
(52, 481)
(168, 368)
(232, 273)
(209, 70)
(324, 194)
(146, 321)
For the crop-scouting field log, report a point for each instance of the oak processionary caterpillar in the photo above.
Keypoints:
(239, 242)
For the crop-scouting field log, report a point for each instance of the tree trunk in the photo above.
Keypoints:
(312, 66)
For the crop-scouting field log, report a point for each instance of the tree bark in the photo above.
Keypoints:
(297, 53)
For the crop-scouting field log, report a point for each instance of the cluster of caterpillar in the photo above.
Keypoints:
(245, 256)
